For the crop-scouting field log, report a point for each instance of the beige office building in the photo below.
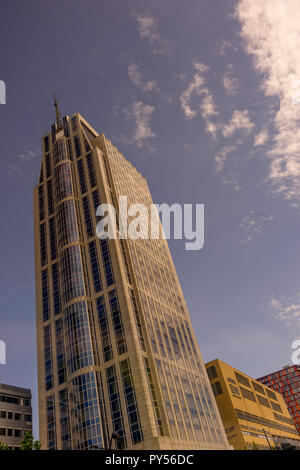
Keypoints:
(117, 354)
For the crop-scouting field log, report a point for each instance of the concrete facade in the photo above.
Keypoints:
(251, 413)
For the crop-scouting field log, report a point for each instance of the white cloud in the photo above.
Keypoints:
(271, 33)
(221, 158)
(141, 114)
(261, 138)
(240, 121)
(252, 225)
(29, 155)
(148, 30)
(207, 107)
(195, 87)
(17, 167)
(230, 82)
(135, 76)
(225, 44)
(15, 170)
(208, 110)
(287, 310)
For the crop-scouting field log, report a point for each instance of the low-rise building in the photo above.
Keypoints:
(253, 415)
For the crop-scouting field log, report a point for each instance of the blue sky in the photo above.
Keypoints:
(202, 98)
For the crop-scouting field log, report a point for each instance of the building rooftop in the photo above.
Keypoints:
(12, 389)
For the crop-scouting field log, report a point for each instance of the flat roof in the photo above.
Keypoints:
(13, 390)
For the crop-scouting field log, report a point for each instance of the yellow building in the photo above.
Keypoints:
(252, 414)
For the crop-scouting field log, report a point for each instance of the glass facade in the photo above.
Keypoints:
(116, 349)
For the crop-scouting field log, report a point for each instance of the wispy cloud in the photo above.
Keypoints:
(17, 167)
(261, 138)
(30, 154)
(287, 310)
(221, 158)
(207, 107)
(240, 121)
(194, 88)
(271, 34)
(15, 170)
(208, 110)
(252, 225)
(230, 82)
(136, 77)
(148, 30)
(224, 46)
(140, 114)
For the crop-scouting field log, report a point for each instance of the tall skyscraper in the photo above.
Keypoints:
(287, 382)
(117, 354)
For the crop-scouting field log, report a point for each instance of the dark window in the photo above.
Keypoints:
(211, 372)
(271, 394)
(43, 246)
(56, 290)
(46, 143)
(52, 236)
(276, 407)
(242, 379)
(45, 295)
(77, 146)
(50, 197)
(48, 165)
(258, 388)
(41, 202)
(263, 401)
(87, 217)
(91, 170)
(217, 388)
(7, 399)
(247, 394)
(82, 181)
(95, 266)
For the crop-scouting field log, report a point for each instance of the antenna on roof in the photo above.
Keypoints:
(58, 115)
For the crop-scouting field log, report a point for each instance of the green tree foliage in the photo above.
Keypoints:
(29, 443)
(254, 446)
(3, 446)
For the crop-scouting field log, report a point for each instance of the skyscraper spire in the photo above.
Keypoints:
(58, 115)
